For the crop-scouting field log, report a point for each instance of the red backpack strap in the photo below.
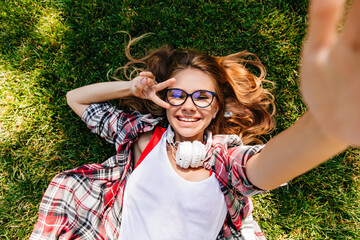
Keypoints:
(158, 132)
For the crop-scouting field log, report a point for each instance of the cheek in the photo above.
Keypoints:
(170, 113)
(209, 115)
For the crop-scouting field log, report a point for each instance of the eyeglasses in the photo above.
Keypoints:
(201, 98)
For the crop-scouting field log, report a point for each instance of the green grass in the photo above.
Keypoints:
(50, 47)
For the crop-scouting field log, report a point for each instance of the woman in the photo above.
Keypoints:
(171, 194)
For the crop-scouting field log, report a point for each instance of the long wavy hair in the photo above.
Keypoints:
(246, 107)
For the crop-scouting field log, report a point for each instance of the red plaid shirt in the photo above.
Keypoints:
(86, 203)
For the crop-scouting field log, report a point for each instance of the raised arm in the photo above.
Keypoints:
(80, 98)
(142, 86)
(330, 84)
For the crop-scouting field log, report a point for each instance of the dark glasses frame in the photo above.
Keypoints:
(189, 95)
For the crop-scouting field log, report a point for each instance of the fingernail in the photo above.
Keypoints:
(135, 85)
(143, 81)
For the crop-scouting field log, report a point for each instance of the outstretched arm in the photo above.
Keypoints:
(293, 152)
(142, 86)
(330, 84)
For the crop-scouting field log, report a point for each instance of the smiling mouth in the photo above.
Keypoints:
(188, 119)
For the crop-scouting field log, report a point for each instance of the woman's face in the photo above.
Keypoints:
(188, 120)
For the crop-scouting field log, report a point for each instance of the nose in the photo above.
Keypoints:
(189, 105)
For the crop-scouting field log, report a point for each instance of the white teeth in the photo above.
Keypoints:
(188, 119)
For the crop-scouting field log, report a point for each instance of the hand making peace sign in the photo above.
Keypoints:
(144, 86)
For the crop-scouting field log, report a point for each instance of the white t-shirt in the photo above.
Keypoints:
(160, 204)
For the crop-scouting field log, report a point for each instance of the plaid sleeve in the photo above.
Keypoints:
(115, 125)
(238, 157)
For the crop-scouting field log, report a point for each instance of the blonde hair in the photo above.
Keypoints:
(249, 106)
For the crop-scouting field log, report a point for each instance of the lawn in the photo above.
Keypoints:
(48, 47)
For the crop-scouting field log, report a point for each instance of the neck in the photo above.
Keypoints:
(183, 139)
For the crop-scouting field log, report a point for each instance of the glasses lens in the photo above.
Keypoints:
(202, 98)
(176, 96)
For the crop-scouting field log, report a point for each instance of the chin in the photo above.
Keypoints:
(188, 134)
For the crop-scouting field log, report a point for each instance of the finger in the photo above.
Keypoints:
(147, 74)
(165, 84)
(160, 102)
(137, 86)
(351, 32)
(145, 81)
(323, 19)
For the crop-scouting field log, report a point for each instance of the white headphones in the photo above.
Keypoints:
(189, 154)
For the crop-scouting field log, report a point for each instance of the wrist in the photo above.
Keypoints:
(319, 129)
(123, 89)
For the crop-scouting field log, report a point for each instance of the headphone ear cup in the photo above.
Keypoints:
(198, 154)
(189, 153)
(184, 154)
